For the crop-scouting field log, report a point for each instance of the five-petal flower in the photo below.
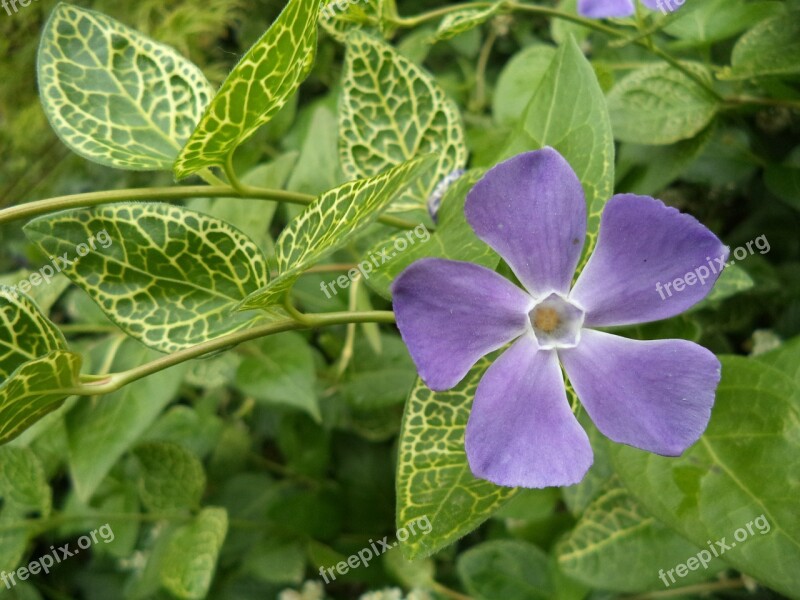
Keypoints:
(605, 9)
(654, 395)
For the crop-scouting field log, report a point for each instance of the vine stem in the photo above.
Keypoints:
(96, 386)
(554, 13)
(167, 194)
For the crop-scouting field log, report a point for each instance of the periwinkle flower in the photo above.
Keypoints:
(654, 395)
(604, 9)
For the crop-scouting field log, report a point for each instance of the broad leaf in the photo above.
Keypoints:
(433, 477)
(35, 389)
(280, 370)
(115, 96)
(661, 105)
(172, 478)
(518, 82)
(771, 48)
(508, 569)
(330, 222)
(256, 89)
(392, 111)
(744, 467)
(785, 358)
(25, 494)
(190, 559)
(337, 22)
(568, 112)
(702, 23)
(25, 333)
(168, 276)
(100, 432)
(617, 546)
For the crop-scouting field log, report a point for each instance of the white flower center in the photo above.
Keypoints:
(556, 322)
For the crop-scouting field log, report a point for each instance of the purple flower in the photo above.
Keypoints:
(654, 395)
(603, 9)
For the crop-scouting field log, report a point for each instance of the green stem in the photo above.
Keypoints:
(36, 208)
(551, 12)
(91, 386)
(230, 172)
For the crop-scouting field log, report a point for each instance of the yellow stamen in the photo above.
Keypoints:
(546, 319)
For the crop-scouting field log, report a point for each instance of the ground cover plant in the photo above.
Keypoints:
(388, 299)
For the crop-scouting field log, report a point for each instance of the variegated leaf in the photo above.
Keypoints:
(464, 20)
(256, 89)
(433, 477)
(391, 111)
(115, 96)
(35, 389)
(25, 333)
(332, 221)
(168, 276)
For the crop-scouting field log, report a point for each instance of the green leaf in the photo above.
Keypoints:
(100, 432)
(280, 370)
(355, 15)
(115, 96)
(568, 112)
(36, 388)
(190, 559)
(617, 546)
(786, 358)
(647, 170)
(746, 465)
(458, 22)
(330, 222)
(453, 239)
(256, 89)
(433, 477)
(171, 478)
(771, 48)
(703, 23)
(392, 111)
(25, 333)
(661, 105)
(25, 495)
(733, 280)
(784, 182)
(518, 82)
(508, 569)
(168, 276)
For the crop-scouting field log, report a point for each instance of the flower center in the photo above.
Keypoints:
(556, 322)
(546, 319)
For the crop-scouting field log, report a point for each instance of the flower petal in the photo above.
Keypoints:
(452, 313)
(602, 9)
(521, 431)
(643, 248)
(531, 210)
(654, 395)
